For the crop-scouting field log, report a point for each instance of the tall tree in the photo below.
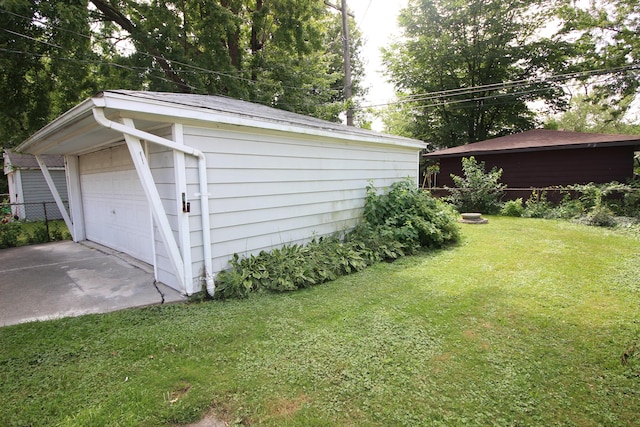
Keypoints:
(280, 53)
(39, 53)
(606, 47)
(467, 69)
(585, 116)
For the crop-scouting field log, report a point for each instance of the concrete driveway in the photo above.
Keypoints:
(64, 279)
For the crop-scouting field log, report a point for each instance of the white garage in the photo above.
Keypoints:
(183, 182)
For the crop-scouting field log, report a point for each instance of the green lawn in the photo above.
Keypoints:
(524, 322)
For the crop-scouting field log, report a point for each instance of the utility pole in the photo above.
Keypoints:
(347, 63)
(346, 57)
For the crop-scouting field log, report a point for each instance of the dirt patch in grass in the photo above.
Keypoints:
(211, 419)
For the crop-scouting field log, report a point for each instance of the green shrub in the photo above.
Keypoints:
(58, 232)
(600, 216)
(569, 208)
(631, 203)
(38, 234)
(412, 216)
(513, 208)
(537, 205)
(620, 199)
(477, 190)
(395, 223)
(9, 234)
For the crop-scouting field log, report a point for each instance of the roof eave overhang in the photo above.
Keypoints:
(171, 112)
(54, 132)
(52, 138)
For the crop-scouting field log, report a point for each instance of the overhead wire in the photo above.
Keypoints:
(172, 61)
(446, 95)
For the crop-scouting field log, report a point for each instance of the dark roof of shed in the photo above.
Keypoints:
(28, 161)
(537, 140)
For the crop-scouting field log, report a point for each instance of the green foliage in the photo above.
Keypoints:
(18, 233)
(58, 232)
(395, 223)
(449, 47)
(587, 114)
(46, 62)
(291, 267)
(476, 190)
(411, 215)
(282, 53)
(600, 216)
(604, 38)
(604, 205)
(9, 234)
(537, 205)
(38, 234)
(513, 208)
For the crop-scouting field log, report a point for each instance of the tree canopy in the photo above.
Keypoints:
(585, 116)
(282, 53)
(466, 70)
(605, 47)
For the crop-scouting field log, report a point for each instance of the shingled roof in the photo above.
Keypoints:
(27, 161)
(537, 140)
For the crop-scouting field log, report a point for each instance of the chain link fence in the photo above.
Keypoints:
(33, 222)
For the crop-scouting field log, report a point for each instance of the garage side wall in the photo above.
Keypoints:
(35, 191)
(272, 188)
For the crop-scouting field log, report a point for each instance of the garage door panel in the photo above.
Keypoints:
(115, 208)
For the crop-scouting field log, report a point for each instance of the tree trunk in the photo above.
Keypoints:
(112, 14)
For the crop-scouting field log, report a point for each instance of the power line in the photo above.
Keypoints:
(201, 70)
(515, 84)
(146, 69)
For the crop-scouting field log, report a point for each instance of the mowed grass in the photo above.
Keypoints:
(524, 322)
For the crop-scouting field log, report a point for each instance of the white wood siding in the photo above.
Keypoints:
(269, 189)
(162, 170)
(35, 190)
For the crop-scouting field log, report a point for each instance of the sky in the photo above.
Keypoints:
(377, 21)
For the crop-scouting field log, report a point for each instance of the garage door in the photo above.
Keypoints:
(116, 212)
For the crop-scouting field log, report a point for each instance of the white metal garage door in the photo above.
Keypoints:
(116, 212)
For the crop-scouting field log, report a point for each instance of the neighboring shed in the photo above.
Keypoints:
(28, 190)
(542, 158)
(185, 181)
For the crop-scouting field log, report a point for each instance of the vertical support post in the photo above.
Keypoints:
(153, 197)
(46, 220)
(54, 191)
(75, 198)
(184, 237)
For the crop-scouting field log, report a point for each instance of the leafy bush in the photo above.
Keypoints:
(477, 190)
(38, 234)
(411, 215)
(513, 208)
(9, 234)
(601, 216)
(604, 205)
(620, 199)
(59, 233)
(396, 223)
(537, 205)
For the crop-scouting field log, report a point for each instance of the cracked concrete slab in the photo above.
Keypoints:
(63, 279)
